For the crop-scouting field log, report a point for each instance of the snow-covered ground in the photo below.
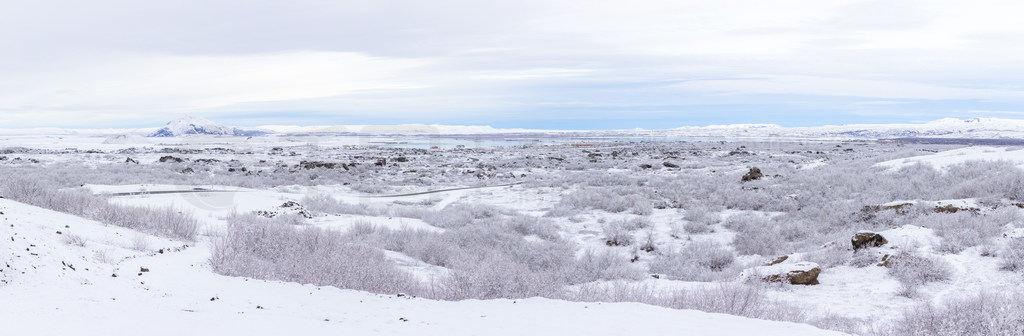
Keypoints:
(944, 159)
(163, 287)
(664, 201)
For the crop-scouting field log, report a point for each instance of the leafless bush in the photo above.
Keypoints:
(748, 300)
(73, 239)
(757, 237)
(140, 242)
(616, 233)
(740, 299)
(914, 270)
(697, 261)
(963, 230)
(1011, 257)
(267, 249)
(997, 314)
(604, 265)
(166, 222)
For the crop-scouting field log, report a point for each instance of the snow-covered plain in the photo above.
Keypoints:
(657, 218)
(63, 289)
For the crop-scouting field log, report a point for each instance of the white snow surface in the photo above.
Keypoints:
(55, 288)
(944, 159)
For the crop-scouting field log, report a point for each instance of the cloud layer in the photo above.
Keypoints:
(560, 63)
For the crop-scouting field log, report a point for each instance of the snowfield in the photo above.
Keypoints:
(57, 288)
(944, 159)
(332, 234)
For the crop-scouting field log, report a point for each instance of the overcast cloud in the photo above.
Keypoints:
(541, 64)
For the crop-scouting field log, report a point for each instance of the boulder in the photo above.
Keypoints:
(778, 260)
(801, 273)
(867, 239)
(169, 158)
(753, 174)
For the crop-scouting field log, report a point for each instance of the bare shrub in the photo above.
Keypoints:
(696, 228)
(617, 233)
(604, 265)
(620, 200)
(166, 222)
(759, 238)
(697, 261)
(73, 239)
(748, 300)
(985, 313)
(139, 243)
(963, 230)
(864, 259)
(267, 249)
(1011, 256)
(529, 225)
(914, 270)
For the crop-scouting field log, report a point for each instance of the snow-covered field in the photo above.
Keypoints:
(613, 237)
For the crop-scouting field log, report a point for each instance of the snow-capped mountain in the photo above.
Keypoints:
(973, 128)
(199, 126)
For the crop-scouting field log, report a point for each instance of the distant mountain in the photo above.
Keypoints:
(973, 128)
(200, 126)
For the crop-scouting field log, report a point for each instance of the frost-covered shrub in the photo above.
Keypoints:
(998, 314)
(699, 220)
(489, 259)
(914, 270)
(757, 237)
(264, 248)
(697, 261)
(448, 218)
(617, 233)
(498, 264)
(864, 259)
(529, 225)
(696, 228)
(166, 222)
(607, 199)
(492, 276)
(604, 265)
(73, 239)
(963, 230)
(637, 223)
(1011, 256)
(740, 299)
(750, 300)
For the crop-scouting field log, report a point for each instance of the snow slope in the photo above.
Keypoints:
(52, 287)
(947, 158)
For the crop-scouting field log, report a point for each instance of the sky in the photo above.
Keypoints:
(554, 64)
